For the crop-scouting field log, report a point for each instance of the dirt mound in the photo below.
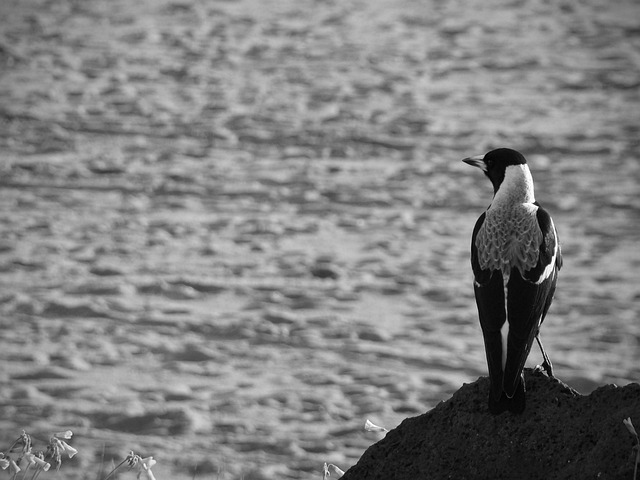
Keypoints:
(561, 435)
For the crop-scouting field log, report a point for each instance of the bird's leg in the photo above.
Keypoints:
(546, 363)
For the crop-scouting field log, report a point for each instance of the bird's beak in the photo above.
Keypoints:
(477, 161)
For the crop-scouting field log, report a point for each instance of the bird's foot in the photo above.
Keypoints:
(546, 366)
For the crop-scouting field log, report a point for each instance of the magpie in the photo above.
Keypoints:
(515, 257)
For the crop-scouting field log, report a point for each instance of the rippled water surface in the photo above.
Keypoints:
(232, 231)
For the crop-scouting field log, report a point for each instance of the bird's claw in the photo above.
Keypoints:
(548, 369)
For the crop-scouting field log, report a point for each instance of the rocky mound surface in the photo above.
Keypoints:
(561, 435)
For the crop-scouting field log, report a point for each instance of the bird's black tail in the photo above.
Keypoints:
(514, 404)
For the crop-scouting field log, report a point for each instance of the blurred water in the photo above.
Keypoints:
(255, 221)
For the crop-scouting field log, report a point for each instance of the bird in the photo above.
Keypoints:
(515, 258)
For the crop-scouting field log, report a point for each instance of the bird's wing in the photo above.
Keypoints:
(489, 292)
(550, 257)
(529, 298)
(481, 276)
(551, 244)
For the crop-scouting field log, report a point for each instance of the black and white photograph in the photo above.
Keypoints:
(319, 239)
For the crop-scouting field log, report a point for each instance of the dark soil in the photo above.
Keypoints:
(561, 435)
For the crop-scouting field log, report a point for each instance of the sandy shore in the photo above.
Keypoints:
(232, 231)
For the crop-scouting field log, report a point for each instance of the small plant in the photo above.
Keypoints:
(636, 447)
(326, 473)
(372, 427)
(133, 460)
(368, 427)
(21, 457)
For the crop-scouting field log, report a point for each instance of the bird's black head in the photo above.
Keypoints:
(494, 163)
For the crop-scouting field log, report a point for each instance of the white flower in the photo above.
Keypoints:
(42, 464)
(629, 425)
(31, 459)
(66, 435)
(13, 466)
(4, 463)
(34, 460)
(371, 427)
(145, 468)
(337, 471)
(65, 447)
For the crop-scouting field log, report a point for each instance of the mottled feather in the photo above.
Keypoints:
(509, 238)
